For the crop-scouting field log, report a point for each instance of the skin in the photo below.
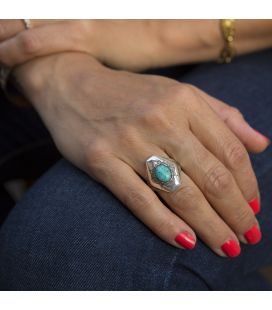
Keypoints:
(152, 115)
(91, 110)
(139, 44)
(130, 44)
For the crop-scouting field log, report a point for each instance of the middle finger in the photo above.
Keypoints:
(217, 184)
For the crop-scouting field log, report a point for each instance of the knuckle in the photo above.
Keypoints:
(189, 88)
(182, 92)
(250, 188)
(218, 180)
(161, 112)
(235, 111)
(184, 195)
(236, 155)
(192, 102)
(155, 118)
(135, 200)
(128, 134)
(243, 215)
(96, 156)
(160, 116)
(29, 42)
(165, 226)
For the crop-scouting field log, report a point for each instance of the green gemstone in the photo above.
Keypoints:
(162, 173)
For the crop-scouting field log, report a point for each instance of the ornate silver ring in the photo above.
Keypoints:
(163, 173)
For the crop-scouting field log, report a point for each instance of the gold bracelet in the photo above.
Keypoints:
(228, 32)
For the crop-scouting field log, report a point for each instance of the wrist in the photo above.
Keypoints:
(38, 76)
(33, 76)
(191, 40)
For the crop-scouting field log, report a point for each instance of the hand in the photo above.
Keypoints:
(109, 122)
(125, 44)
(129, 44)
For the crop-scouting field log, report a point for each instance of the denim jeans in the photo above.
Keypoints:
(70, 233)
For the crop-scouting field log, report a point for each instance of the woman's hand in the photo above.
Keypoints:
(108, 123)
(129, 44)
(124, 44)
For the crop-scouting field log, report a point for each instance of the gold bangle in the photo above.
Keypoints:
(228, 32)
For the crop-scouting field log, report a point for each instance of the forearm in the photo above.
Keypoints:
(202, 40)
(134, 45)
(253, 35)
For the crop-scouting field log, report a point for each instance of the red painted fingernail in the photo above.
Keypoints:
(255, 205)
(186, 240)
(253, 235)
(264, 137)
(231, 248)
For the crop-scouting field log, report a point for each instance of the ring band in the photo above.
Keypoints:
(163, 173)
(27, 23)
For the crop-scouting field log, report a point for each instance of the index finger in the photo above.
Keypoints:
(11, 27)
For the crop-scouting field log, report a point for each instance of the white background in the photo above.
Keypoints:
(135, 9)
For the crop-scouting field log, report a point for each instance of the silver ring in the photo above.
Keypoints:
(27, 23)
(163, 173)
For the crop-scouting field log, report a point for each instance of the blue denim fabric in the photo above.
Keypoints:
(71, 233)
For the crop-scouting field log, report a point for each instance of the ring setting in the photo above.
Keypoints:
(163, 173)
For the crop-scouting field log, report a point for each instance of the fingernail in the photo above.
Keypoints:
(263, 136)
(255, 205)
(186, 240)
(253, 235)
(231, 248)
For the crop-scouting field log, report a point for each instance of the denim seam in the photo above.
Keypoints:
(168, 277)
(169, 273)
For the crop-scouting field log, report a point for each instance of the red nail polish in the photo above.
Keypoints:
(253, 235)
(231, 248)
(255, 205)
(186, 240)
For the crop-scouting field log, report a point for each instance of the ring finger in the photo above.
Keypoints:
(10, 27)
(189, 204)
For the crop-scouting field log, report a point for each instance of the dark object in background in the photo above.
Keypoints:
(26, 148)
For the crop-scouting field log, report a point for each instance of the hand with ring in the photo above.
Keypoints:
(156, 144)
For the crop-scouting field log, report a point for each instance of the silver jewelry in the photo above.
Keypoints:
(27, 23)
(163, 173)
